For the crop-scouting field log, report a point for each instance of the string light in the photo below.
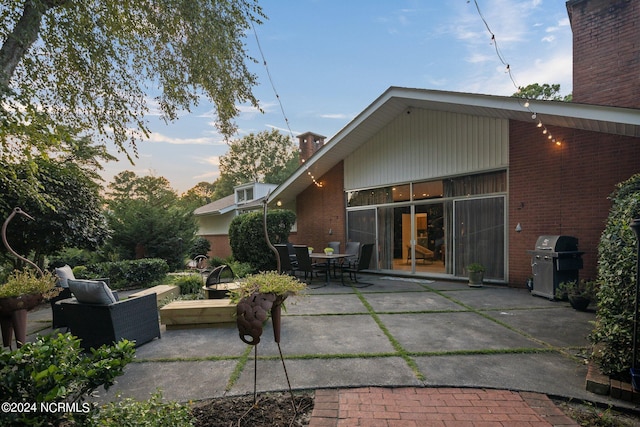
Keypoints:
(526, 104)
(273, 86)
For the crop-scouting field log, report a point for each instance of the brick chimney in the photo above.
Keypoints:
(606, 52)
(309, 143)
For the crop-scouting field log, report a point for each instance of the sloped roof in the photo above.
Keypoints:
(395, 100)
(217, 207)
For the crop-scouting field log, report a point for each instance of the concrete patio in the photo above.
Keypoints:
(395, 332)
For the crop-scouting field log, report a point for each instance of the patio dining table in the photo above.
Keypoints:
(328, 258)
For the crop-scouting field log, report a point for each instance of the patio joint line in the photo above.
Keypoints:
(402, 352)
(481, 313)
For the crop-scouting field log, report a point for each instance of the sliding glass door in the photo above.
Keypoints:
(479, 235)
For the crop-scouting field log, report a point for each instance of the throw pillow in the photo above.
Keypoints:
(91, 291)
(64, 274)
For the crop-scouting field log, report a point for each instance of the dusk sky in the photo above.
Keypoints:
(330, 59)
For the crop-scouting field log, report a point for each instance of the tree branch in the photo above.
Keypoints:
(24, 34)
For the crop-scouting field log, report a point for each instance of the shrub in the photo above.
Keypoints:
(71, 257)
(54, 369)
(200, 246)
(240, 269)
(190, 284)
(613, 331)
(246, 237)
(129, 274)
(153, 413)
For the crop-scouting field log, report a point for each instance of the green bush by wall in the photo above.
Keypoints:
(246, 237)
(128, 274)
(617, 257)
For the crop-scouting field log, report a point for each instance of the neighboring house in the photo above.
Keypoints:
(438, 180)
(214, 218)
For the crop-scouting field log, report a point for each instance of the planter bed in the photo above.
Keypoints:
(197, 313)
(162, 292)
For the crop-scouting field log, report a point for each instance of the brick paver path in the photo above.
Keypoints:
(412, 407)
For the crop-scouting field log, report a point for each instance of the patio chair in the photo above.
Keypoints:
(99, 322)
(364, 259)
(63, 274)
(285, 260)
(335, 246)
(353, 249)
(199, 263)
(336, 249)
(423, 253)
(292, 255)
(305, 264)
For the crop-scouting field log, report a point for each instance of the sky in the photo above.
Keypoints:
(329, 59)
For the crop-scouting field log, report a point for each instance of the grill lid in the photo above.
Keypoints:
(557, 243)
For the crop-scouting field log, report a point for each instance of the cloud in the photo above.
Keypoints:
(211, 160)
(207, 176)
(157, 137)
(477, 58)
(338, 116)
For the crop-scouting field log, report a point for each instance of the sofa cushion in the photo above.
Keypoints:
(91, 291)
(64, 274)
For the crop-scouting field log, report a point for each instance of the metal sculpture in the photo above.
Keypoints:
(15, 323)
(17, 211)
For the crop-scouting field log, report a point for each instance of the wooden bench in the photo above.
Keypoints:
(162, 292)
(197, 313)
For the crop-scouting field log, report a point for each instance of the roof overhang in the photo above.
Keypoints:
(396, 100)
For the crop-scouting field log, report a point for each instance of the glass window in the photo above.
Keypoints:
(371, 196)
(427, 190)
(479, 235)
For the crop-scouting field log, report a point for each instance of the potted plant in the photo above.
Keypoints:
(22, 291)
(476, 274)
(580, 293)
(328, 251)
(259, 296)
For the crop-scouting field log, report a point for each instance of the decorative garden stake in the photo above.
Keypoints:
(259, 296)
(13, 310)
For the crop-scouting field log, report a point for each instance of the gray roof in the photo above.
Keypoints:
(217, 207)
(395, 100)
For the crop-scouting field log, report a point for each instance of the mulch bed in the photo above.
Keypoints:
(270, 410)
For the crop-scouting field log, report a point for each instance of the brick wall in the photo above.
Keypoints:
(308, 144)
(219, 246)
(320, 209)
(563, 189)
(606, 52)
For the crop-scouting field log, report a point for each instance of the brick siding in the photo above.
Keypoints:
(606, 52)
(320, 209)
(564, 189)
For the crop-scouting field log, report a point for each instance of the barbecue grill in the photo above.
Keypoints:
(556, 259)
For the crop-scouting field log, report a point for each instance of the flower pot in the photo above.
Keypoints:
(476, 278)
(13, 317)
(23, 302)
(578, 302)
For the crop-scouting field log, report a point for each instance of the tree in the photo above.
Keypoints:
(147, 220)
(87, 66)
(247, 240)
(200, 195)
(69, 214)
(268, 157)
(544, 92)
